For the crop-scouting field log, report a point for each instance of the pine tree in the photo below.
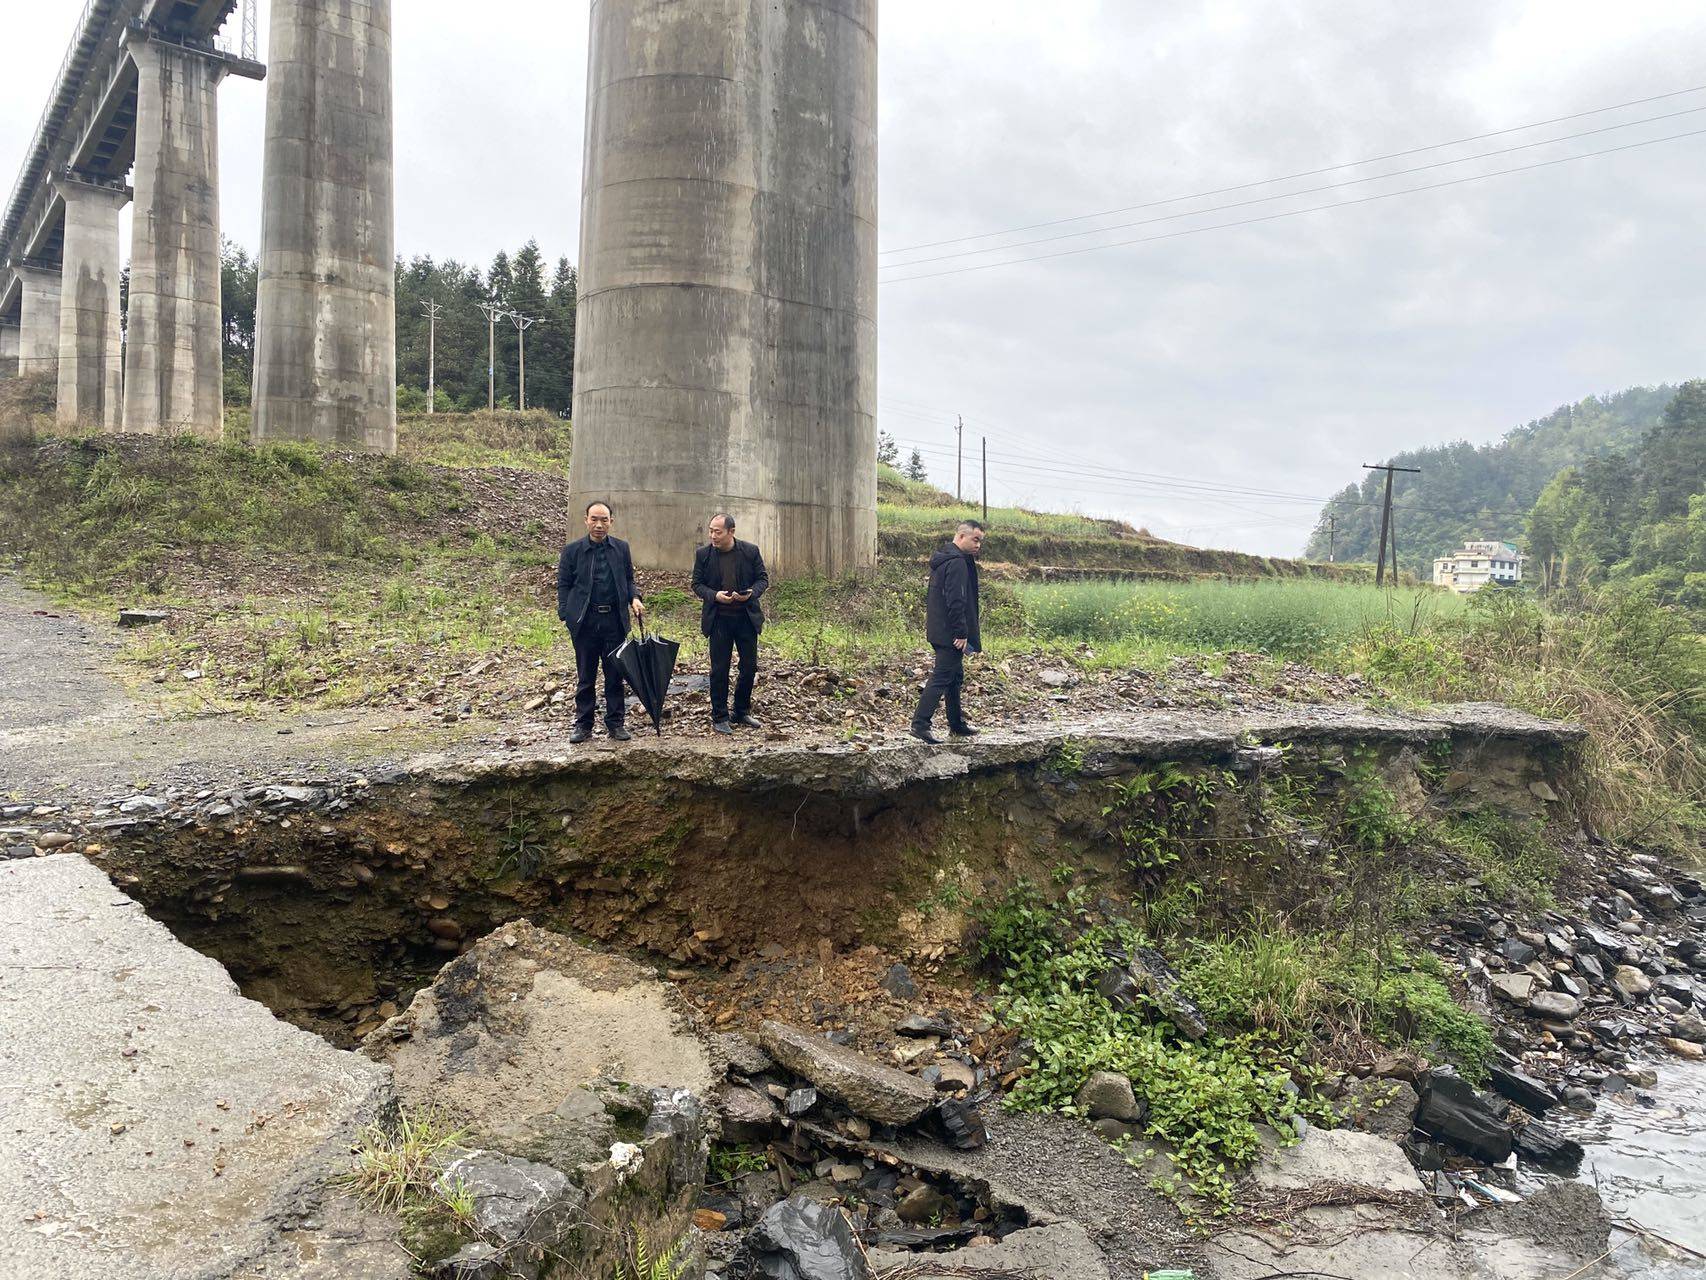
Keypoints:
(915, 467)
(888, 452)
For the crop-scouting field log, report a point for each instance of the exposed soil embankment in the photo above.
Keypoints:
(328, 898)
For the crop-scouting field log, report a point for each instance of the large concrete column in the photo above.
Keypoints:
(326, 313)
(8, 348)
(38, 338)
(90, 349)
(727, 325)
(173, 370)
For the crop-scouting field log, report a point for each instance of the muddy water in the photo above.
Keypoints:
(1649, 1163)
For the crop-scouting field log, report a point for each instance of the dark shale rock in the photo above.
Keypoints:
(1147, 974)
(1452, 1113)
(1386, 1108)
(801, 1240)
(962, 1125)
(868, 1088)
(1533, 1096)
(1546, 1146)
(899, 984)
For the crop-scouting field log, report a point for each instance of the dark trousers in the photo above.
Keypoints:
(730, 632)
(597, 639)
(943, 685)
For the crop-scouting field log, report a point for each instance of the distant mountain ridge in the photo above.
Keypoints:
(1484, 491)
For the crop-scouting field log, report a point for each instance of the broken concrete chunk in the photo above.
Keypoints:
(1055, 1252)
(868, 1088)
(141, 617)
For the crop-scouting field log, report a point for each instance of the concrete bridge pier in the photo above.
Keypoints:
(325, 314)
(173, 374)
(726, 349)
(38, 337)
(8, 348)
(90, 375)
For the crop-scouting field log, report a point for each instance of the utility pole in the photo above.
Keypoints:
(493, 310)
(522, 325)
(1386, 524)
(959, 458)
(1332, 537)
(985, 479)
(430, 310)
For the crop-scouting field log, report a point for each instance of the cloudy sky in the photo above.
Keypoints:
(1275, 356)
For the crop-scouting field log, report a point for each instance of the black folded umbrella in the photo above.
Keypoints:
(648, 665)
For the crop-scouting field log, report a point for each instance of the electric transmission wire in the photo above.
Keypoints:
(1294, 213)
(1289, 195)
(1307, 173)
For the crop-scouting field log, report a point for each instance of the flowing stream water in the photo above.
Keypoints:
(1649, 1162)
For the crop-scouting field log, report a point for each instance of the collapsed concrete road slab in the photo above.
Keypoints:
(153, 1122)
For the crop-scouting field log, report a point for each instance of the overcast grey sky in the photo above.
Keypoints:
(1276, 356)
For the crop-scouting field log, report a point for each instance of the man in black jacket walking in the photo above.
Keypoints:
(951, 626)
(596, 595)
(728, 578)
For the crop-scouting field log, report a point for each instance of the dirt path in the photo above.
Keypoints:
(70, 729)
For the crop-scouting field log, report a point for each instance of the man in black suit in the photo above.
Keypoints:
(596, 595)
(950, 624)
(729, 577)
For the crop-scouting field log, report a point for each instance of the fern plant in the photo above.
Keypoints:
(668, 1265)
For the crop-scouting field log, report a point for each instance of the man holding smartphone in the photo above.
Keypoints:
(729, 578)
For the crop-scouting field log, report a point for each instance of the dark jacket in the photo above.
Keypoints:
(749, 576)
(574, 581)
(950, 611)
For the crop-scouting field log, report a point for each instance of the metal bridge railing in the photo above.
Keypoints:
(95, 14)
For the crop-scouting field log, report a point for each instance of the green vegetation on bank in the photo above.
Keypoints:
(1283, 904)
(1483, 491)
(1637, 517)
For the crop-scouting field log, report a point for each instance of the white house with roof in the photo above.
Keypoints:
(1476, 564)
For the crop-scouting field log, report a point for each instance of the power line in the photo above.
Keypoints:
(1293, 213)
(1308, 173)
(1137, 484)
(1289, 195)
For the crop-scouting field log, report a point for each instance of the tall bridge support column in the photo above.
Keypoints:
(727, 334)
(8, 348)
(38, 338)
(173, 369)
(90, 375)
(325, 313)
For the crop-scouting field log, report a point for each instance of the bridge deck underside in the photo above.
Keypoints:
(91, 124)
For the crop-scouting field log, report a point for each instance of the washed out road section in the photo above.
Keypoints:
(153, 1122)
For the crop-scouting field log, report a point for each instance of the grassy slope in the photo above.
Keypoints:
(304, 574)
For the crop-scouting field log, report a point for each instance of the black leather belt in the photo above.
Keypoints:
(604, 608)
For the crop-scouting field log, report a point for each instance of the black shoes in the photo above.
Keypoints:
(580, 733)
(963, 730)
(720, 726)
(924, 734)
(747, 721)
(618, 733)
